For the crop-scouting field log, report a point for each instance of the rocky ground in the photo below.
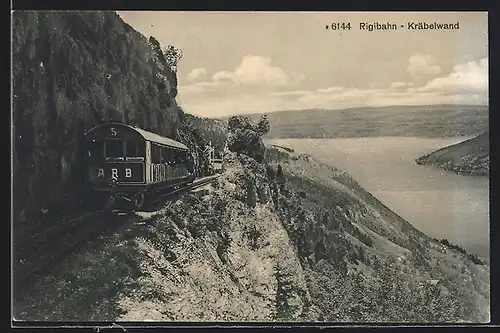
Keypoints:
(290, 240)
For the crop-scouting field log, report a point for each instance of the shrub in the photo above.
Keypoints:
(246, 138)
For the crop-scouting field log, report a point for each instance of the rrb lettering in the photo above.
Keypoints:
(114, 173)
(128, 173)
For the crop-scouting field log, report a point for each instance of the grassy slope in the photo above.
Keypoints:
(428, 121)
(308, 245)
(470, 157)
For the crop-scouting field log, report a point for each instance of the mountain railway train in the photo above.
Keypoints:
(127, 163)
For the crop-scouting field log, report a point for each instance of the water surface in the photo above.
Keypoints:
(442, 204)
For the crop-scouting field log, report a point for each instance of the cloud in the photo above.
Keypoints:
(421, 66)
(198, 88)
(465, 79)
(253, 72)
(297, 77)
(331, 90)
(222, 76)
(466, 84)
(397, 85)
(197, 74)
(257, 70)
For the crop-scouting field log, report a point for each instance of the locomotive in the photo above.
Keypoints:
(129, 164)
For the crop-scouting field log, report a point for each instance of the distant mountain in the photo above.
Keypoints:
(470, 157)
(426, 121)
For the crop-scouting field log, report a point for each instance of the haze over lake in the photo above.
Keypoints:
(439, 203)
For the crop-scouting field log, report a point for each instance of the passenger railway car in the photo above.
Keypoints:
(217, 165)
(130, 164)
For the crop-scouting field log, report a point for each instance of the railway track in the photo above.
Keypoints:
(36, 253)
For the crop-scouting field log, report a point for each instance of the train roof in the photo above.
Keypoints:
(146, 135)
(150, 136)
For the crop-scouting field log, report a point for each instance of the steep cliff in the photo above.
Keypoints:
(469, 157)
(290, 239)
(73, 71)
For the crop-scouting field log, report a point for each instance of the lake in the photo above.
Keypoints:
(442, 204)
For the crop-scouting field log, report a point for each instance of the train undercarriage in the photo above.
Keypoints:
(136, 198)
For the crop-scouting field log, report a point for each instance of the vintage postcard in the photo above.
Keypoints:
(250, 167)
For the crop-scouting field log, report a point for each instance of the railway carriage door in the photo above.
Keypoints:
(165, 161)
(170, 163)
(177, 163)
(148, 161)
(155, 162)
(185, 163)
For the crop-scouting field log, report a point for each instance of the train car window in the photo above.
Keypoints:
(168, 160)
(140, 148)
(131, 149)
(155, 154)
(114, 148)
(169, 156)
(158, 154)
(96, 149)
(180, 159)
(175, 157)
(165, 155)
(135, 149)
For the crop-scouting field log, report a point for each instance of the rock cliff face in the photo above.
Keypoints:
(290, 240)
(73, 71)
(470, 157)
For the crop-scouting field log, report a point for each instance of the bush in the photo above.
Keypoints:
(263, 126)
(472, 257)
(245, 138)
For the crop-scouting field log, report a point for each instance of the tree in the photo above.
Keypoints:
(251, 194)
(280, 176)
(360, 308)
(263, 126)
(245, 139)
(172, 56)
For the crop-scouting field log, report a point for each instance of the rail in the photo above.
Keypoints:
(37, 252)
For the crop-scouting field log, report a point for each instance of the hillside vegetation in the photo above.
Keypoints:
(73, 71)
(283, 239)
(469, 157)
(424, 121)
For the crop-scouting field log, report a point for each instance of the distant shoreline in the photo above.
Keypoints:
(469, 157)
(438, 121)
(403, 108)
(464, 137)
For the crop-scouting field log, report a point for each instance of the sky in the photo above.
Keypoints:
(256, 62)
